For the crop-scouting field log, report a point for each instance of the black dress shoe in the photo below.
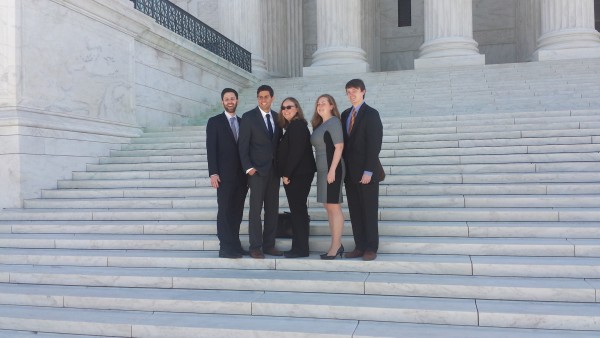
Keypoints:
(229, 254)
(339, 252)
(243, 252)
(273, 252)
(293, 254)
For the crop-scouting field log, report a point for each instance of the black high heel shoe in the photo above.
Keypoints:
(339, 252)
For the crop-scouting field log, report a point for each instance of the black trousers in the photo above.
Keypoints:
(264, 191)
(231, 196)
(363, 204)
(297, 194)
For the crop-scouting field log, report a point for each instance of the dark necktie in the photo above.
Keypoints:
(269, 126)
(233, 128)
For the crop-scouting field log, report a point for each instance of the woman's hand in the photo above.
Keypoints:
(286, 180)
(331, 176)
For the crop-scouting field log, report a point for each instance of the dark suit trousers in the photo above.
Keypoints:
(297, 194)
(264, 190)
(230, 199)
(363, 204)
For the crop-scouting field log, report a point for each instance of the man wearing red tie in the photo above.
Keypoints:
(363, 134)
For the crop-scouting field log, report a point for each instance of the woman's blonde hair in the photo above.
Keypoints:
(317, 120)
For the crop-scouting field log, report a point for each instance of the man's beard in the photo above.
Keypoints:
(230, 110)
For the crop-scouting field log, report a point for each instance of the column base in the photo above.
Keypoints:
(349, 68)
(450, 61)
(566, 54)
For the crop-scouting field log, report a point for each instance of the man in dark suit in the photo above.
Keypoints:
(363, 134)
(226, 174)
(259, 135)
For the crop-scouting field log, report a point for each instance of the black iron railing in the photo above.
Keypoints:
(183, 23)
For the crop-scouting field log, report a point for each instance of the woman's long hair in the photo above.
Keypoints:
(317, 120)
(282, 122)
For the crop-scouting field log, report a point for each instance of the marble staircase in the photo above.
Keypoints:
(489, 222)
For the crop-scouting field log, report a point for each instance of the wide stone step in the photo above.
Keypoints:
(500, 150)
(492, 158)
(385, 214)
(492, 188)
(405, 245)
(502, 266)
(200, 166)
(159, 324)
(384, 190)
(355, 283)
(129, 193)
(152, 159)
(200, 150)
(308, 305)
(491, 136)
(493, 178)
(446, 201)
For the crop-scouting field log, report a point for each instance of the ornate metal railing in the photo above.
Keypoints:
(183, 23)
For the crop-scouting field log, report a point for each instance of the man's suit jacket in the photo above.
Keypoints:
(294, 153)
(362, 146)
(257, 150)
(222, 149)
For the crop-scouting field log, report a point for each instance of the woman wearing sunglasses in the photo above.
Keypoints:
(296, 166)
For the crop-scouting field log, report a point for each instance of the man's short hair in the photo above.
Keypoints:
(356, 83)
(265, 88)
(229, 90)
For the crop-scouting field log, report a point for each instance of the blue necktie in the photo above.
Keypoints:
(269, 126)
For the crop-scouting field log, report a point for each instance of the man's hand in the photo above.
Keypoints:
(214, 181)
(286, 180)
(366, 179)
(252, 172)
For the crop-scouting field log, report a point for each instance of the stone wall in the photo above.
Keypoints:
(81, 77)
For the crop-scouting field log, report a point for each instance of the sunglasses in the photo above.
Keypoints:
(287, 107)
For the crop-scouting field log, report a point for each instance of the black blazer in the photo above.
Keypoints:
(257, 150)
(294, 153)
(362, 146)
(222, 149)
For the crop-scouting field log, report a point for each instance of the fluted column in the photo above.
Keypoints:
(338, 39)
(448, 35)
(295, 40)
(567, 31)
(242, 22)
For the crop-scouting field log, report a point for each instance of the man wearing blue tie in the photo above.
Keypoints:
(226, 174)
(257, 144)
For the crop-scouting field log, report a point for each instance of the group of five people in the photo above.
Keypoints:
(264, 148)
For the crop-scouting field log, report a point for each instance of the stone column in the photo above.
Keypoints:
(242, 22)
(567, 31)
(338, 39)
(448, 35)
(295, 38)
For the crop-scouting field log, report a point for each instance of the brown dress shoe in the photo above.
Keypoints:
(274, 252)
(354, 254)
(256, 253)
(369, 255)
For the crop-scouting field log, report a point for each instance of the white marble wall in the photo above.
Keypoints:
(86, 76)
(8, 57)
